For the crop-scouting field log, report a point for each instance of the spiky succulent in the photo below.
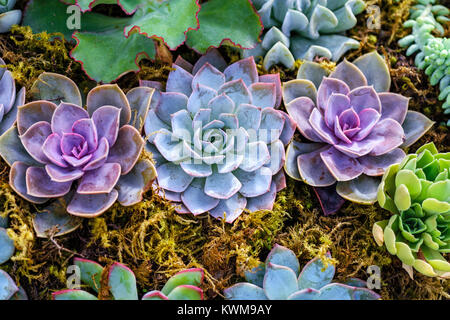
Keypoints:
(9, 289)
(8, 16)
(303, 29)
(6, 243)
(280, 279)
(9, 99)
(417, 192)
(58, 146)
(357, 127)
(217, 138)
(121, 284)
(433, 53)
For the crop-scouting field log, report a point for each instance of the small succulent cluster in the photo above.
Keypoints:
(357, 127)
(59, 149)
(6, 243)
(121, 284)
(10, 100)
(8, 16)
(9, 289)
(417, 192)
(280, 278)
(433, 53)
(298, 29)
(217, 137)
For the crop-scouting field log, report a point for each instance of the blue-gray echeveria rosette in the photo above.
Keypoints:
(217, 138)
(8, 16)
(303, 29)
(88, 157)
(10, 100)
(356, 128)
(280, 278)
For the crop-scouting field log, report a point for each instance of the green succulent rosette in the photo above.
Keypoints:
(417, 192)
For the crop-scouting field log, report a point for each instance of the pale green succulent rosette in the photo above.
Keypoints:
(433, 52)
(417, 192)
(303, 29)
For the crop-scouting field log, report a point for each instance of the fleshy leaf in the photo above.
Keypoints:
(279, 282)
(7, 286)
(122, 282)
(244, 291)
(360, 190)
(282, 256)
(56, 88)
(6, 246)
(314, 275)
(186, 292)
(90, 272)
(73, 295)
(192, 277)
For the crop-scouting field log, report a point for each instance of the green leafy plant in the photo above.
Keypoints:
(433, 53)
(121, 284)
(109, 46)
(417, 192)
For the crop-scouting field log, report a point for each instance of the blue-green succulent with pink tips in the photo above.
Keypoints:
(121, 284)
(218, 138)
(280, 278)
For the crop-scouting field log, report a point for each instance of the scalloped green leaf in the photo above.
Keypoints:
(242, 23)
(122, 282)
(152, 20)
(109, 55)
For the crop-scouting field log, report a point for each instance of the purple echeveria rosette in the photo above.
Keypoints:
(355, 125)
(218, 141)
(90, 156)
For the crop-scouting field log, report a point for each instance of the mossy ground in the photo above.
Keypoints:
(156, 242)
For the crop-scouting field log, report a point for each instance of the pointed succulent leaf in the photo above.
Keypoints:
(7, 286)
(72, 294)
(91, 273)
(256, 275)
(282, 256)
(315, 275)
(154, 295)
(186, 292)
(122, 282)
(56, 88)
(244, 291)
(6, 246)
(193, 277)
(279, 282)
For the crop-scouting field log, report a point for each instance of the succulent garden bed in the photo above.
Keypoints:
(344, 168)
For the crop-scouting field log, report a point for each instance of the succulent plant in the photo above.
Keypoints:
(8, 16)
(279, 278)
(6, 243)
(9, 99)
(59, 149)
(216, 137)
(433, 53)
(357, 127)
(8, 288)
(98, 36)
(417, 192)
(303, 29)
(121, 284)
